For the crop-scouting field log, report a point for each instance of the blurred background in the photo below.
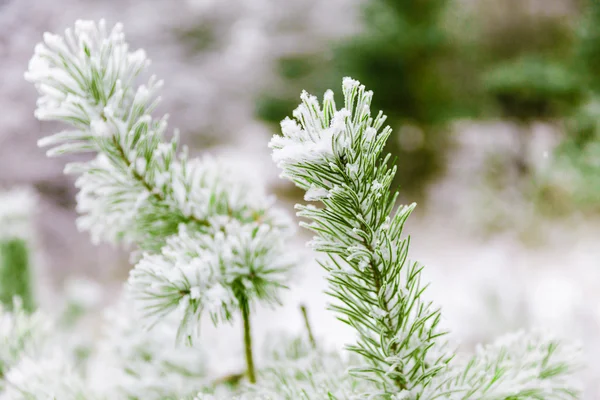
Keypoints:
(495, 106)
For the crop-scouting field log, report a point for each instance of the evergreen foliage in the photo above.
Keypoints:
(209, 241)
(577, 157)
(588, 44)
(337, 156)
(532, 88)
(22, 334)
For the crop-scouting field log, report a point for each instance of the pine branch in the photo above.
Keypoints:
(147, 364)
(337, 157)
(22, 334)
(206, 233)
(139, 188)
(294, 370)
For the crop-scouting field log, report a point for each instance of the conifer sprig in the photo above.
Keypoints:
(209, 238)
(22, 334)
(139, 188)
(337, 156)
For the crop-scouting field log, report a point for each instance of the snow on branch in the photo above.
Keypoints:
(337, 156)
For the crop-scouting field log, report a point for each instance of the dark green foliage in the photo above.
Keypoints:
(588, 49)
(15, 274)
(578, 158)
(401, 57)
(583, 123)
(579, 154)
(532, 88)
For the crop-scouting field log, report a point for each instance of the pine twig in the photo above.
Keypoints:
(308, 327)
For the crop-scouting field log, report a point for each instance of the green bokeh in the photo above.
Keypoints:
(532, 88)
(15, 274)
(400, 54)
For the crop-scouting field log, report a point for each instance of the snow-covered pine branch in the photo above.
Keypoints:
(210, 239)
(139, 188)
(297, 369)
(33, 361)
(337, 157)
(51, 377)
(521, 365)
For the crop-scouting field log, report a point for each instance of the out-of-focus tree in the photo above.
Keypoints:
(404, 53)
(588, 45)
(16, 280)
(578, 156)
(530, 89)
(526, 70)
